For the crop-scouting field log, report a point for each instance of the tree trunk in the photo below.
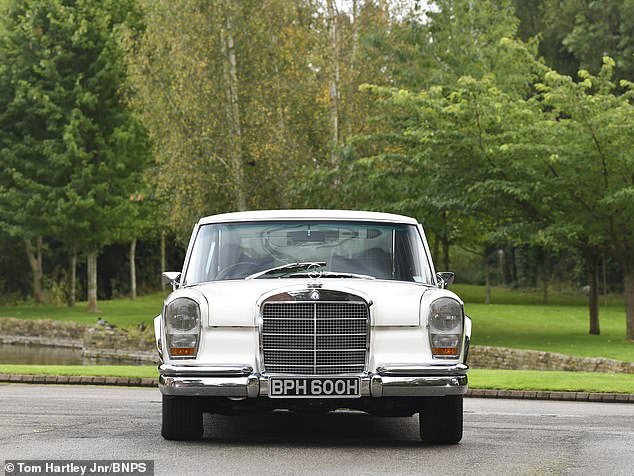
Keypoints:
(232, 110)
(507, 266)
(445, 253)
(593, 298)
(487, 279)
(557, 276)
(91, 272)
(545, 276)
(513, 264)
(499, 254)
(163, 261)
(34, 255)
(352, 86)
(333, 82)
(445, 241)
(133, 269)
(283, 137)
(604, 288)
(629, 302)
(72, 284)
(604, 273)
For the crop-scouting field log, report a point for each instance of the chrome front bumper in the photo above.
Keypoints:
(240, 381)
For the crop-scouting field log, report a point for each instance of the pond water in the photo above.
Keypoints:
(44, 355)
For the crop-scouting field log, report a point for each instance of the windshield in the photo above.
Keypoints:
(343, 249)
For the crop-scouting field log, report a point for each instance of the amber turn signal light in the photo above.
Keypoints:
(181, 351)
(444, 351)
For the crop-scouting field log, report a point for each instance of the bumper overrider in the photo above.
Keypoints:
(240, 381)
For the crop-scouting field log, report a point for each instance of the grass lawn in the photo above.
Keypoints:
(132, 371)
(478, 378)
(551, 381)
(120, 312)
(519, 320)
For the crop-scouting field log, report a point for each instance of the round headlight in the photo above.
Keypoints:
(182, 315)
(445, 316)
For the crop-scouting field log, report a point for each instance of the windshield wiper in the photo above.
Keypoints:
(334, 274)
(290, 267)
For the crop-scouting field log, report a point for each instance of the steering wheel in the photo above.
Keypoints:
(226, 272)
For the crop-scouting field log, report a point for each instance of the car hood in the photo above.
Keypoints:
(393, 303)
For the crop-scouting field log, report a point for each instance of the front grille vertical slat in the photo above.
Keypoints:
(317, 338)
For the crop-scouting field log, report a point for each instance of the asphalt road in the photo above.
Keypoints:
(501, 437)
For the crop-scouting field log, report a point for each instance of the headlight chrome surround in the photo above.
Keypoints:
(182, 321)
(446, 328)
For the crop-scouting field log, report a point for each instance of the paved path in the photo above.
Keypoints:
(502, 436)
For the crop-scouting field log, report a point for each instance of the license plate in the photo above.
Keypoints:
(315, 387)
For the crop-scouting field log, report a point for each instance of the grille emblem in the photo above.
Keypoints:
(314, 271)
(314, 295)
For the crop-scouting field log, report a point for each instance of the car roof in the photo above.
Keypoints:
(336, 215)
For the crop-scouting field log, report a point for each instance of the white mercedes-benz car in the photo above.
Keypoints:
(311, 311)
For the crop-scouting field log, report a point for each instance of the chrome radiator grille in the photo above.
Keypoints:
(314, 338)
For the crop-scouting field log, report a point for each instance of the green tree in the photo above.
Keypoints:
(30, 145)
(590, 169)
(232, 102)
(424, 149)
(576, 34)
(73, 148)
(460, 162)
(249, 101)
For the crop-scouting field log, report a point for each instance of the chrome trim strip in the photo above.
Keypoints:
(256, 385)
(314, 352)
(159, 347)
(423, 386)
(205, 370)
(208, 386)
(253, 386)
(422, 370)
(271, 369)
(376, 387)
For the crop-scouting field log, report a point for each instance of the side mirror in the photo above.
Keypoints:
(171, 277)
(445, 279)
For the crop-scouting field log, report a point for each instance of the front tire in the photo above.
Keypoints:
(441, 420)
(182, 418)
